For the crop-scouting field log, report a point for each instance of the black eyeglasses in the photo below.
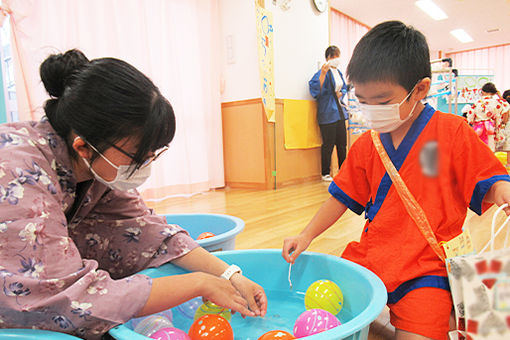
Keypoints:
(147, 161)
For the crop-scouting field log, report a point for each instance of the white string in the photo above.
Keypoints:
(493, 236)
(290, 282)
(506, 238)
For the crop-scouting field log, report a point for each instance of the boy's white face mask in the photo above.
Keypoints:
(123, 181)
(385, 118)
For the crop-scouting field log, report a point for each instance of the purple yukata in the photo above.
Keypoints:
(68, 253)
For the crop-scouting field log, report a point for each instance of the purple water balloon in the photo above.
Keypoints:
(189, 308)
(167, 314)
(314, 321)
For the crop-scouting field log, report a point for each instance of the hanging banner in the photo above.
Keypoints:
(266, 64)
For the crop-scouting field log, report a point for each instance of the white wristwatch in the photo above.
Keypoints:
(231, 270)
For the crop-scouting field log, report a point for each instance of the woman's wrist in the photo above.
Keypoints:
(236, 278)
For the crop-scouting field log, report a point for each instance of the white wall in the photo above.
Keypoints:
(240, 73)
(300, 39)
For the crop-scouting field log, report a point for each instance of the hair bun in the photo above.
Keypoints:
(56, 70)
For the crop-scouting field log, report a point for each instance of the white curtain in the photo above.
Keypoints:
(345, 33)
(174, 42)
(494, 59)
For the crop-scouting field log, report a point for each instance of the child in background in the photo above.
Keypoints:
(488, 116)
(439, 157)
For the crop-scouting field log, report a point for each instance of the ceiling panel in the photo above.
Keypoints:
(476, 17)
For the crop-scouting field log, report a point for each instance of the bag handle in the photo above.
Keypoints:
(493, 236)
(413, 208)
(338, 105)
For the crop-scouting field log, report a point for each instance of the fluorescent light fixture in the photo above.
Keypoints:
(461, 35)
(431, 9)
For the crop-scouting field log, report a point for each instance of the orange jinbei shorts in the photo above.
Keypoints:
(424, 311)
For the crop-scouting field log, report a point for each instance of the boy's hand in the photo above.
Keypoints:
(499, 193)
(294, 246)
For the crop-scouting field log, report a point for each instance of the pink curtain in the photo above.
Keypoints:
(495, 60)
(174, 42)
(345, 33)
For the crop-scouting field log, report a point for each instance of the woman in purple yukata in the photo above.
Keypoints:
(73, 229)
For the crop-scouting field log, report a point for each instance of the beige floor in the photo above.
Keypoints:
(270, 216)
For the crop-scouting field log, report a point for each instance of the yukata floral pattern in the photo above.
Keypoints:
(486, 116)
(77, 277)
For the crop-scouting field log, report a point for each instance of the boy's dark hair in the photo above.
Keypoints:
(506, 95)
(332, 51)
(103, 101)
(489, 88)
(391, 51)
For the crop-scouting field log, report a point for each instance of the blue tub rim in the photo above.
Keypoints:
(33, 333)
(218, 239)
(353, 326)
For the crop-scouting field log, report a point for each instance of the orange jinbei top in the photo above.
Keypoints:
(446, 167)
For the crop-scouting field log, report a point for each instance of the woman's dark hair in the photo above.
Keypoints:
(332, 51)
(506, 96)
(391, 51)
(489, 88)
(103, 101)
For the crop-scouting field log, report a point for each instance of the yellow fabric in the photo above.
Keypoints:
(300, 127)
(502, 157)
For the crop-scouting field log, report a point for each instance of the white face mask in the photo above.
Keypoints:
(123, 181)
(385, 118)
(334, 62)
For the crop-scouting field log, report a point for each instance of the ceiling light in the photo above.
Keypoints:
(461, 35)
(431, 9)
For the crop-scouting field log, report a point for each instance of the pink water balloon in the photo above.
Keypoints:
(170, 333)
(314, 321)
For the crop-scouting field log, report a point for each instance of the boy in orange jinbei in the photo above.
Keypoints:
(442, 162)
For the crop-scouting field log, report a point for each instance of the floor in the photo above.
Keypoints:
(286, 212)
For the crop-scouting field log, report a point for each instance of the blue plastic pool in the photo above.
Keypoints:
(225, 228)
(364, 294)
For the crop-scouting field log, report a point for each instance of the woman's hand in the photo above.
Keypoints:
(293, 246)
(252, 292)
(325, 68)
(223, 293)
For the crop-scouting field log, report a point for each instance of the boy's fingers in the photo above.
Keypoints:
(288, 247)
(295, 254)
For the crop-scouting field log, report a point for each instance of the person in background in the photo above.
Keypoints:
(74, 231)
(328, 87)
(506, 96)
(504, 145)
(488, 116)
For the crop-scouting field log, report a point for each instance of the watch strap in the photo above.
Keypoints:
(231, 270)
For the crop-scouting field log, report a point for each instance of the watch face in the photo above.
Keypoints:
(321, 5)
